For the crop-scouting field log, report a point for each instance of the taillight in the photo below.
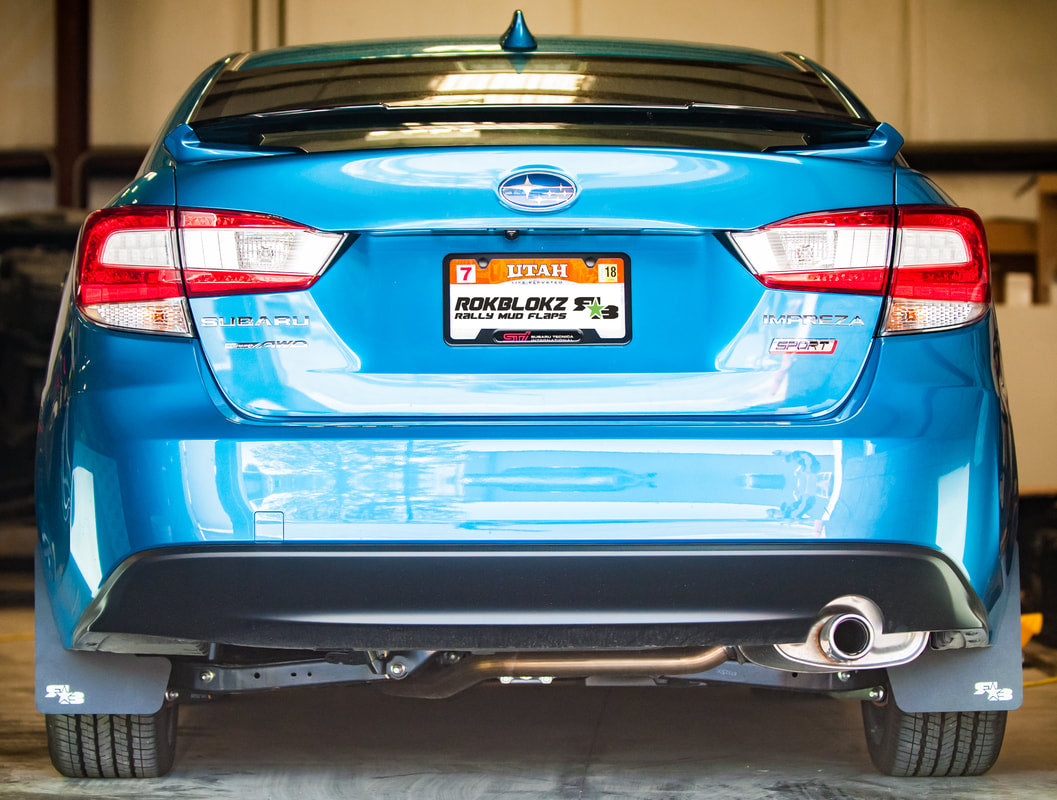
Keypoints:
(130, 275)
(941, 274)
(229, 252)
(843, 251)
(937, 256)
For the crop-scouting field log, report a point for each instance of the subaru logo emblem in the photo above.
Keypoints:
(537, 190)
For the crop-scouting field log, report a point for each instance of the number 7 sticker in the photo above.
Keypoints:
(465, 271)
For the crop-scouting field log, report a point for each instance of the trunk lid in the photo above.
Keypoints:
(694, 333)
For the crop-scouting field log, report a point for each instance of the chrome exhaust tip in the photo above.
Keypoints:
(846, 638)
(848, 634)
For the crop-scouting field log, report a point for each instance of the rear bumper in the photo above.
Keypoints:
(139, 467)
(430, 598)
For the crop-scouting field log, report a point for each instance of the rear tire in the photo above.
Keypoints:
(113, 745)
(931, 745)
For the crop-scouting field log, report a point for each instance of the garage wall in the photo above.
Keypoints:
(145, 54)
(940, 70)
(27, 74)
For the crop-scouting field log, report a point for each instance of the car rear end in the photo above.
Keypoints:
(435, 364)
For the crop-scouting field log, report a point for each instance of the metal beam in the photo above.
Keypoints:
(1028, 156)
(72, 21)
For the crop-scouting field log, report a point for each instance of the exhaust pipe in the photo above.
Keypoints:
(443, 682)
(846, 637)
(848, 634)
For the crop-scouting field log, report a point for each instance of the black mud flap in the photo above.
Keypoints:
(976, 679)
(73, 682)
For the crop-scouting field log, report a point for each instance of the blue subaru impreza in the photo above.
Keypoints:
(426, 363)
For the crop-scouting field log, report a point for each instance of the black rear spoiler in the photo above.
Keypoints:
(242, 136)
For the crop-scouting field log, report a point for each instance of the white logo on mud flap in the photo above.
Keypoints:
(994, 694)
(62, 693)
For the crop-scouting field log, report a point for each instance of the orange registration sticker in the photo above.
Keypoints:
(537, 300)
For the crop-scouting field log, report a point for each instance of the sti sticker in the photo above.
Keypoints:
(817, 346)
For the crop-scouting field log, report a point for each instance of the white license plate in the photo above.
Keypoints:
(510, 300)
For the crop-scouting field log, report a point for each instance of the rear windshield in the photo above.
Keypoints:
(440, 101)
(499, 80)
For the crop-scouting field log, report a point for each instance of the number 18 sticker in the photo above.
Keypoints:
(608, 272)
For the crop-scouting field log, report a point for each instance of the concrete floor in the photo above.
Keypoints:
(563, 741)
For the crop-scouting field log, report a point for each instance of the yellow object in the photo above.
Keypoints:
(1030, 624)
(1044, 682)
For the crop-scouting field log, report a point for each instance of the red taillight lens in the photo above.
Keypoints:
(842, 251)
(127, 254)
(229, 252)
(127, 273)
(940, 272)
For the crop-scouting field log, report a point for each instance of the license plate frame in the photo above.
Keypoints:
(504, 299)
